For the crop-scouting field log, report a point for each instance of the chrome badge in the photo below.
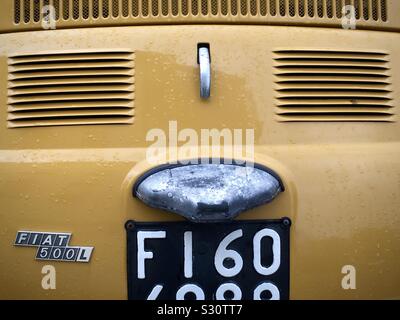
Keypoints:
(53, 246)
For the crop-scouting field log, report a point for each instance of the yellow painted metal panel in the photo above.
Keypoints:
(342, 178)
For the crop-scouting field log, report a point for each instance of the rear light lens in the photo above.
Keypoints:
(208, 192)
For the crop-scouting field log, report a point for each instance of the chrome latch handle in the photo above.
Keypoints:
(205, 71)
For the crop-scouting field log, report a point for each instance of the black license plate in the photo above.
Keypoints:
(239, 260)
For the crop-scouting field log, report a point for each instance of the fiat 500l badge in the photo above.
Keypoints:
(53, 246)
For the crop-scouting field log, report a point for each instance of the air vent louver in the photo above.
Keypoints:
(71, 88)
(108, 9)
(319, 85)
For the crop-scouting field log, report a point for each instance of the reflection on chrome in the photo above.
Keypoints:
(208, 192)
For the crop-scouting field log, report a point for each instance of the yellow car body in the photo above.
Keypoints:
(340, 167)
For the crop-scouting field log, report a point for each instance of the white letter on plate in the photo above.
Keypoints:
(142, 254)
(22, 237)
(276, 250)
(222, 254)
(188, 258)
(196, 290)
(84, 254)
(155, 292)
(220, 294)
(265, 286)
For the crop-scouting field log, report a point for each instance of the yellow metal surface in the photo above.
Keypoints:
(342, 179)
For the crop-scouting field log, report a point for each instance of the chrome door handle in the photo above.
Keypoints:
(205, 72)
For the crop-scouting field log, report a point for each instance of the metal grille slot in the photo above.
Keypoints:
(73, 10)
(71, 88)
(324, 85)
